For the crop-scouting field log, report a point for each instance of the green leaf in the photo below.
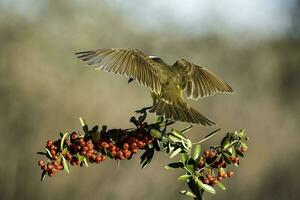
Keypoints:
(155, 133)
(174, 165)
(225, 142)
(48, 153)
(159, 119)
(187, 193)
(178, 134)
(197, 152)
(147, 157)
(220, 185)
(238, 152)
(84, 125)
(177, 151)
(244, 145)
(42, 153)
(66, 165)
(85, 162)
(210, 135)
(184, 157)
(174, 139)
(186, 129)
(43, 176)
(184, 177)
(63, 140)
(205, 187)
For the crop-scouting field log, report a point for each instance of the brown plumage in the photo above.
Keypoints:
(166, 83)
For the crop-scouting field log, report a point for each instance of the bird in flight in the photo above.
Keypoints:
(167, 83)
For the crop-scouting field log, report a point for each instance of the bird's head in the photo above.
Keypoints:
(157, 60)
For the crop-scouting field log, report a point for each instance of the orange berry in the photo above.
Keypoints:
(243, 149)
(206, 153)
(125, 146)
(205, 181)
(230, 174)
(49, 143)
(134, 151)
(134, 145)
(41, 163)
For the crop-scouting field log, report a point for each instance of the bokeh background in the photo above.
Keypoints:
(254, 45)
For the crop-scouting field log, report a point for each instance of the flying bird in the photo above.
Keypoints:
(167, 83)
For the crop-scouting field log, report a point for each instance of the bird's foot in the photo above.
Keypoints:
(143, 110)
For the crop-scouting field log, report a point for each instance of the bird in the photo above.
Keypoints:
(168, 84)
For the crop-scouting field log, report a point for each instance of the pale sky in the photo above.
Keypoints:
(263, 18)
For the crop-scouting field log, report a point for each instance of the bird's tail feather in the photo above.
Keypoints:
(180, 112)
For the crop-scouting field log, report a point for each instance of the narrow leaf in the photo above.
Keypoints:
(155, 133)
(174, 165)
(178, 134)
(43, 176)
(177, 151)
(63, 140)
(187, 193)
(48, 153)
(205, 187)
(66, 166)
(186, 129)
(197, 152)
(220, 185)
(184, 177)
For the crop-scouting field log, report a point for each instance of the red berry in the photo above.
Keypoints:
(205, 181)
(98, 159)
(52, 147)
(104, 145)
(134, 151)
(114, 153)
(85, 148)
(49, 143)
(141, 144)
(53, 152)
(215, 181)
(103, 157)
(212, 154)
(127, 154)
(74, 136)
(55, 157)
(229, 174)
(134, 145)
(121, 157)
(49, 166)
(51, 173)
(41, 163)
(243, 149)
(206, 153)
(120, 153)
(125, 146)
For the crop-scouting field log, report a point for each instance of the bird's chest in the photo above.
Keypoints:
(169, 78)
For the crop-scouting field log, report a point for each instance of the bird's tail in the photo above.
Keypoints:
(180, 112)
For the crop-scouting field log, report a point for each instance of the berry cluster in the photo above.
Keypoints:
(79, 149)
(216, 161)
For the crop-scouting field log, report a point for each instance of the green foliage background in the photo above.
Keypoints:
(44, 89)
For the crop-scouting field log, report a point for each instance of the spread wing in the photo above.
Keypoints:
(128, 62)
(200, 82)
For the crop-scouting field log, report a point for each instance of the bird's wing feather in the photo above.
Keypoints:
(128, 62)
(199, 81)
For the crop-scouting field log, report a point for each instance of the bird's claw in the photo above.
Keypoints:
(143, 110)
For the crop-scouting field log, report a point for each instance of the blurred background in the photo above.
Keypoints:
(253, 45)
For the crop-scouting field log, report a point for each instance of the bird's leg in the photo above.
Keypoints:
(143, 110)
